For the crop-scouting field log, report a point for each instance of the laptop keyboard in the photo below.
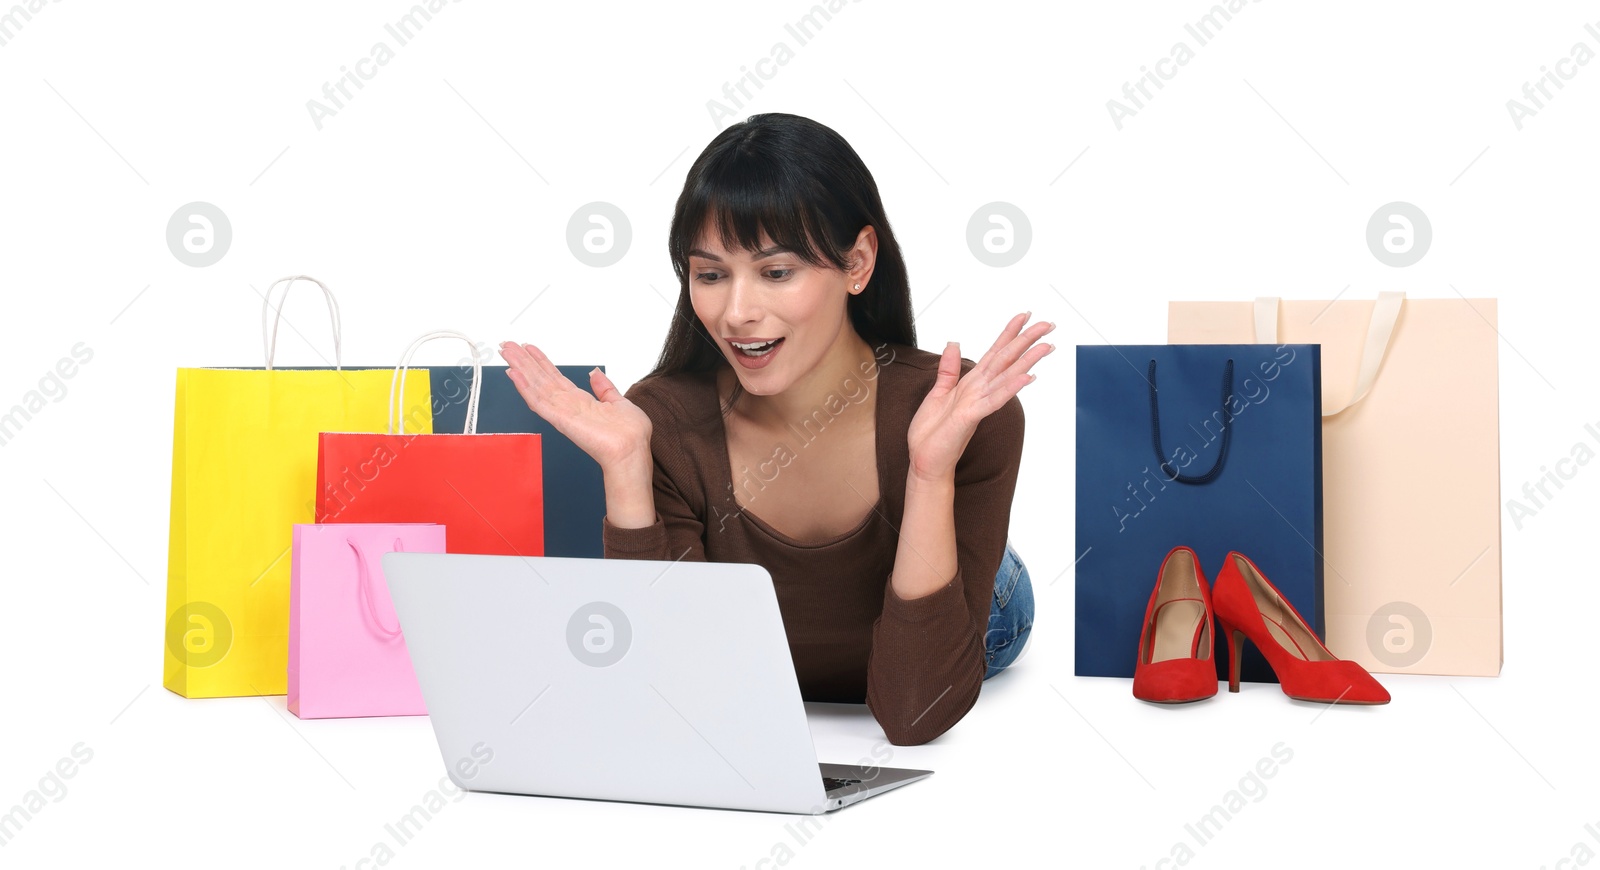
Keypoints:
(829, 783)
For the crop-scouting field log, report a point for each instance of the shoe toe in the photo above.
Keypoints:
(1337, 682)
(1175, 681)
(1361, 688)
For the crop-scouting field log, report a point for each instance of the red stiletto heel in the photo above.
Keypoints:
(1175, 646)
(1248, 605)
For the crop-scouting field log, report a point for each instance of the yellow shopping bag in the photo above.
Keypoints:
(244, 471)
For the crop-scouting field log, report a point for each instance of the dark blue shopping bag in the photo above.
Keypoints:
(1217, 447)
(574, 488)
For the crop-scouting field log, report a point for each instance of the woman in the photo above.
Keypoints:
(792, 422)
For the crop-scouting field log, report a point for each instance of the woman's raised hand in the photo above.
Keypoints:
(950, 413)
(612, 430)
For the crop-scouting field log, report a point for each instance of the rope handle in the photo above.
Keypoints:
(1227, 429)
(397, 383)
(364, 580)
(269, 337)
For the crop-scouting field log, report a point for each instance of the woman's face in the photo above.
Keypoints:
(770, 295)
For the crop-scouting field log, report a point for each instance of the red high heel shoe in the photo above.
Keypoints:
(1248, 605)
(1175, 646)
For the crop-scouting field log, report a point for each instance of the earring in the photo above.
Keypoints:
(858, 286)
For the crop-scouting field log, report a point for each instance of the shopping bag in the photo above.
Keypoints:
(1411, 446)
(1212, 447)
(347, 656)
(487, 489)
(574, 487)
(244, 456)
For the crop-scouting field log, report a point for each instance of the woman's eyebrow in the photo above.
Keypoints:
(759, 255)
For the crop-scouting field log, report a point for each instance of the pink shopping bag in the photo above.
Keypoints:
(347, 657)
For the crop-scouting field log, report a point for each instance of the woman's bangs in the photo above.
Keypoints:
(741, 211)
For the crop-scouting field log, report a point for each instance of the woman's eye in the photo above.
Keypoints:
(706, 277)
(779, 274)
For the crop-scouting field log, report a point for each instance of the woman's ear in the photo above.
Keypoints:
(863, 256)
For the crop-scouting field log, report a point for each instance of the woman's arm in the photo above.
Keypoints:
(618, 434)
(630, 502)
(965, 444)
(647, 517)
(927, 660)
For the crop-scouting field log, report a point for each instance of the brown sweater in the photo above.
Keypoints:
(917, 664)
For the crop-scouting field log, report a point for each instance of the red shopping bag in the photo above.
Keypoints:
(488, 490)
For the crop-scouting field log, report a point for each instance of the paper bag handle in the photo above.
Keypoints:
(1227, 429)
(364, 580)
(1380, 329)
(269, 337)
(397, 425)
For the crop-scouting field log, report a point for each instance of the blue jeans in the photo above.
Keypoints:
(1010, 613)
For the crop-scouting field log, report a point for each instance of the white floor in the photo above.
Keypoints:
(1047, 765)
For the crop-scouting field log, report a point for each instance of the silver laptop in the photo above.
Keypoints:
(616, 679)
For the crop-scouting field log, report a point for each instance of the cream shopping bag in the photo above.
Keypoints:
(1411, 469)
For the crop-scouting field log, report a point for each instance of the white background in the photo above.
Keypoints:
(438, 198)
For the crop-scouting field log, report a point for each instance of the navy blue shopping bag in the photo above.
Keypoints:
(1217, 447)
(574, 488)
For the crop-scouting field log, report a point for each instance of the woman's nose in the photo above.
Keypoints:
(743, 302)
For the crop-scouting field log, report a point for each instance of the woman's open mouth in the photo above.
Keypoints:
(755, 354)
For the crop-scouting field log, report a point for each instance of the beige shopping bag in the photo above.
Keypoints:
(1411, 469)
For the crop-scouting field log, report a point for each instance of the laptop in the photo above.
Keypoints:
(617, 679)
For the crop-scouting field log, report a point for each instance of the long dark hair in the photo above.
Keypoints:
(807, 188)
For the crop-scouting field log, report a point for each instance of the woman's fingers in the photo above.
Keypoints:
(1006, 335)
(1025, 350)
(539, 382)
(1032, 356)
(516, 355)
(604, 389)
(1012, 342)
(522, 364)
(1011, 363)
(543, 362)
(999, 390)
